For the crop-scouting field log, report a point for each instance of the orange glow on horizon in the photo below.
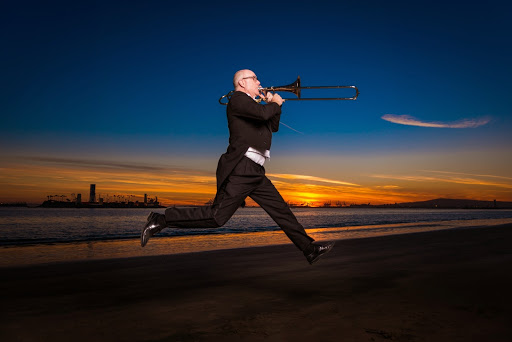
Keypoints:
(33, 182)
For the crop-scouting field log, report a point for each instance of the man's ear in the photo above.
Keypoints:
(241, 83)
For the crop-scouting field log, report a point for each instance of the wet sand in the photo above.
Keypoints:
(448, 285)
(32, 254)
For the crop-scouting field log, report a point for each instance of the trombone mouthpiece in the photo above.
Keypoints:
(262, 90)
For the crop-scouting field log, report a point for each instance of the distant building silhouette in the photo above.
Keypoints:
(92, 196)
(121, 201)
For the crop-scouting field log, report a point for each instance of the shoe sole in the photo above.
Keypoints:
(143, 239)
(321, 255)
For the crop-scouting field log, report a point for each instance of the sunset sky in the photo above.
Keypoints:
(124, 94)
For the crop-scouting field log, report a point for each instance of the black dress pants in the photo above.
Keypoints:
(246, 180)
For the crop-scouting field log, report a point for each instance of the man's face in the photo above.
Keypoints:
(251, 84)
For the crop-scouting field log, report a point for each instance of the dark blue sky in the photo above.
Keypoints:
(141, 79)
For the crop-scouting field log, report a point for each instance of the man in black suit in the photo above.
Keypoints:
(240, 172)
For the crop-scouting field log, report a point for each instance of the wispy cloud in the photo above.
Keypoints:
(467, 174)
(105, 164)
(310, 178)
(412, 121)
(448, 178)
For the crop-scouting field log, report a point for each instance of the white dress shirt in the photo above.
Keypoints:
(257, 156)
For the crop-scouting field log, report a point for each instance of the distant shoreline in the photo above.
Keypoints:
(439, 203)
(72, 205)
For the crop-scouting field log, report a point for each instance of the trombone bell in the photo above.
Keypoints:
(291, 88)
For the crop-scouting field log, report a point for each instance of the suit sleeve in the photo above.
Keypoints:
(243, 105)
(274, 122)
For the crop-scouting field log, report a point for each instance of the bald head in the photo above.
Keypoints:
(239, 75)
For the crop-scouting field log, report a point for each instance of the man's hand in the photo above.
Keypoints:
(267, 97)
(270, 97)
(276, 98)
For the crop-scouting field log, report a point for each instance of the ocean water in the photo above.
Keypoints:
(33, 226)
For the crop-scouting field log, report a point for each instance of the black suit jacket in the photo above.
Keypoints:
(250, 125)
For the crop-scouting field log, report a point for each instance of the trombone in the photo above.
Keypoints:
(296, 88)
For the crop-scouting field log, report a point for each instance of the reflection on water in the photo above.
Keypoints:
(20, 226)
(107, 249)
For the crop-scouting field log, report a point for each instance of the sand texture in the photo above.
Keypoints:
(451, 285)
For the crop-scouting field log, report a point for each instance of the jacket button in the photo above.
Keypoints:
(261, 133)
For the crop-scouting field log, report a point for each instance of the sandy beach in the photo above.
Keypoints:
(447, 285)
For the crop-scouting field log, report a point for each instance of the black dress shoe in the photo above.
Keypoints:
(319, 249)
(156, 222)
